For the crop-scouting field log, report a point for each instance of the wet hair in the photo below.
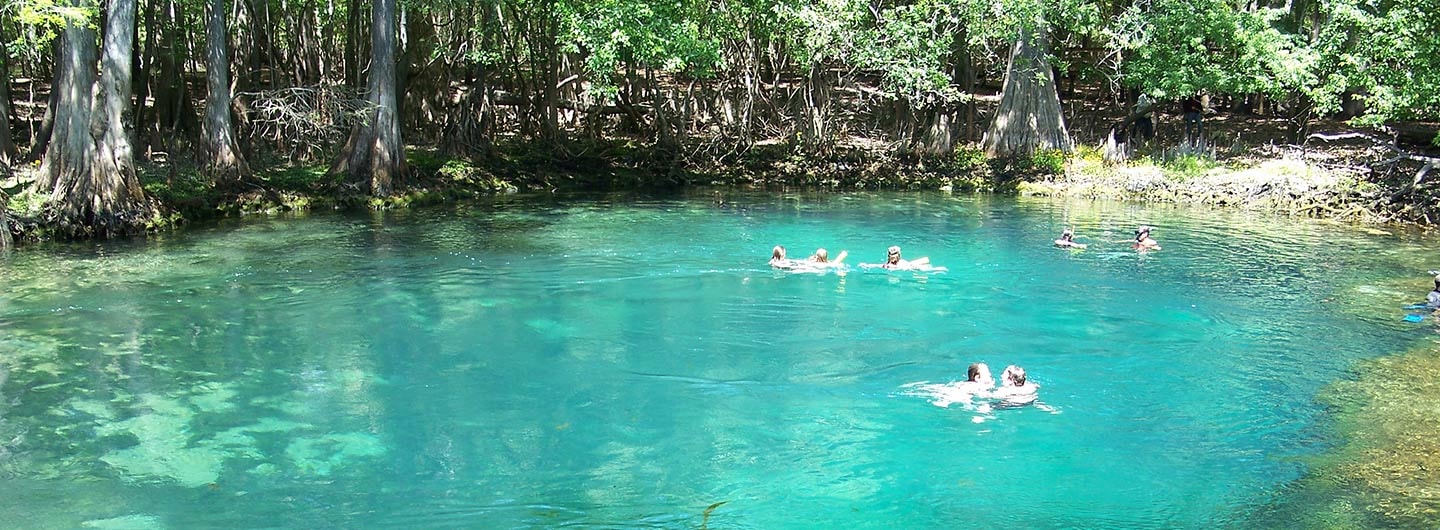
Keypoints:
(973, 374)
(821, 255)
(892, 251)
(778, 252)
(1067, 235)
(1015, 374)
(1141, 233)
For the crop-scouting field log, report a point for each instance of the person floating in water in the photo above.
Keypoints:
(893, 261)
(977, 379)
(1143, 241)
(778, 259)
(1067, 239)
(1432, 300)
(821, 258)
(819, 261)
(977, 383)
(1014, 388)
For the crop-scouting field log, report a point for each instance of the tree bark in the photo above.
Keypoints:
(144, 68)
(90, 166)
(815, 109)
(40, 141)
(1028, 119)
(7, 143)
(175, 112)
(374, 156)
(352, 43)
(220, 157)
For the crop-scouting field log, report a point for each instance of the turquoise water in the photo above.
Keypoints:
(622, 362)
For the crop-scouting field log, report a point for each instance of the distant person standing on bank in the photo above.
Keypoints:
(1194, 111)
(1144, 124)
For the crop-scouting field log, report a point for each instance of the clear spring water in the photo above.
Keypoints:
(627, 361)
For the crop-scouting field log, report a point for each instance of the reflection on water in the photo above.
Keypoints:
(629, 361)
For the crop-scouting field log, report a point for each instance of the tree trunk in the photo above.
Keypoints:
(1028, 118)
(352, 43)
(7, 145)
(5, 242)
(175, 112)
(144, 69)
(815, 112)
(90, 166)
(375, 154)
(40, 141)
(220, 156)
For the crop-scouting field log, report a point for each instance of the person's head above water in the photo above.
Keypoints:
(777, 253)
(1142, 233)
(821, 256)
(1067, 234)
(892, 255)
(1013, 376)
(978, 373)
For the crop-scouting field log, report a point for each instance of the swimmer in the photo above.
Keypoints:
(977, 383)
(1432, 300)
(1143, 241)
(821, 258)
(894, 262)
(1015, 389)
(977, 380)
(778, 259)
(1067, 239)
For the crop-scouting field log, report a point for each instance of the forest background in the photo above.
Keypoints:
(128, 116)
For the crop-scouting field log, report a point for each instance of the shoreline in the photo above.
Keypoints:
(1301, 184)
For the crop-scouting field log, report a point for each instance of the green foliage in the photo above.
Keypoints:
(969, 157)
(1188, 166)
(1177, 48)
(45, 18)
(1388, 52)
(664, 36)
(300, 178)
(1044, 161)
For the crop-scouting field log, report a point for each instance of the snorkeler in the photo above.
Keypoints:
(1067, 239)
(1143, 241)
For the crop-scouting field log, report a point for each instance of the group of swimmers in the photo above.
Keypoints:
(821, 260)
(979, 391)
(1142, 242)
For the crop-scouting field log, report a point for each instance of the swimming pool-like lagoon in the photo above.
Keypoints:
(623, 361)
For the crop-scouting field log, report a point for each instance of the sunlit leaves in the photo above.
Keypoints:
(44, 18)
(664, 36)
(1386, 52)
(1176, 48)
